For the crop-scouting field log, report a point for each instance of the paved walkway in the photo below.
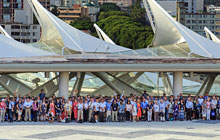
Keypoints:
(194, 130)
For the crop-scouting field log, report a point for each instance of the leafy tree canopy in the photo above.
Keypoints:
(126, 31)
(109, 7)
(138, 12)
(103, 15)
(83, 23)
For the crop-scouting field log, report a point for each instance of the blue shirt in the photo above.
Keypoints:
(144, 105)
(41, 95)
(189, 105)
(121, 108)
(108, 106)
(10, 105)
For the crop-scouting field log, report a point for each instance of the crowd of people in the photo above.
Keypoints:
(117, 108)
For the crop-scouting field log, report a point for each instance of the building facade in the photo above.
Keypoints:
(16, 17)
(198, 21)
(67, 3)
(45, 3)
(22, 32)
(7, 9)
(71, 14)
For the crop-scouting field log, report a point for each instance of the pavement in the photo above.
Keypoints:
(179, 130)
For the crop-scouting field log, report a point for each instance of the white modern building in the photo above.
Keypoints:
(180, 59)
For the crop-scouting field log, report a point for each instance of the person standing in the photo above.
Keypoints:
(58, 109)
(181, 110)
(189, 107)
(68, 107)
(43, 110)
(108, 108)
(74, 108)
(156, 109)
(80, 111)
(208, 106)
(128, 110)
(42, 94)
(3, 110)
(138, 110)
(11, 110)
(134, 110)
(115, 111)
(121, 111)
(166, 108)
(171, 108)
(214, 106)
(102, 110)
(197, 109)
(35, 108)
(96, 109)
(162, 110)
(20, 108)
(91, 105)
(85, 110)
(149, 112)
(28, 105)
(175, 110)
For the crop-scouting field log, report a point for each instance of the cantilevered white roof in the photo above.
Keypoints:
(102, 34)
(211, 36)
(12, 48)
(168, 31)
(55, 29)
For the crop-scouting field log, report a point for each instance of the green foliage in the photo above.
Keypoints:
(138, 12)
(109, 7)
(103, 15)
(125, 30)
(83, 23)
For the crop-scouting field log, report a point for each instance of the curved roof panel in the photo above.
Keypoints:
(53, 28)
(12, 48)
(169, 31)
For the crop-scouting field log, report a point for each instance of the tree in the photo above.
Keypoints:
(109, 7)
(83, 23)
(138, 12)
(103, 15)
(126, 31)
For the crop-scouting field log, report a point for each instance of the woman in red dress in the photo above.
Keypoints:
(75, 105)
(52, 107)
(138, 109)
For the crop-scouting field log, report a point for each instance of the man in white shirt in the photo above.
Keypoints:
(162, 110)
(28, 105)
(80, 111)
(200, 100)
(91, 105)
(102, 110)
(96, 109)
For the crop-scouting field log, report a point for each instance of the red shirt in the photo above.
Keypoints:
(3, 105)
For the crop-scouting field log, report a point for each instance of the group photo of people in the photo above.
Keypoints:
(115, 108)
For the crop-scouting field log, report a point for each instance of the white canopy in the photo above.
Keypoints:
(168, 31)
(211, 36)
(12, 48)
(55, 29)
